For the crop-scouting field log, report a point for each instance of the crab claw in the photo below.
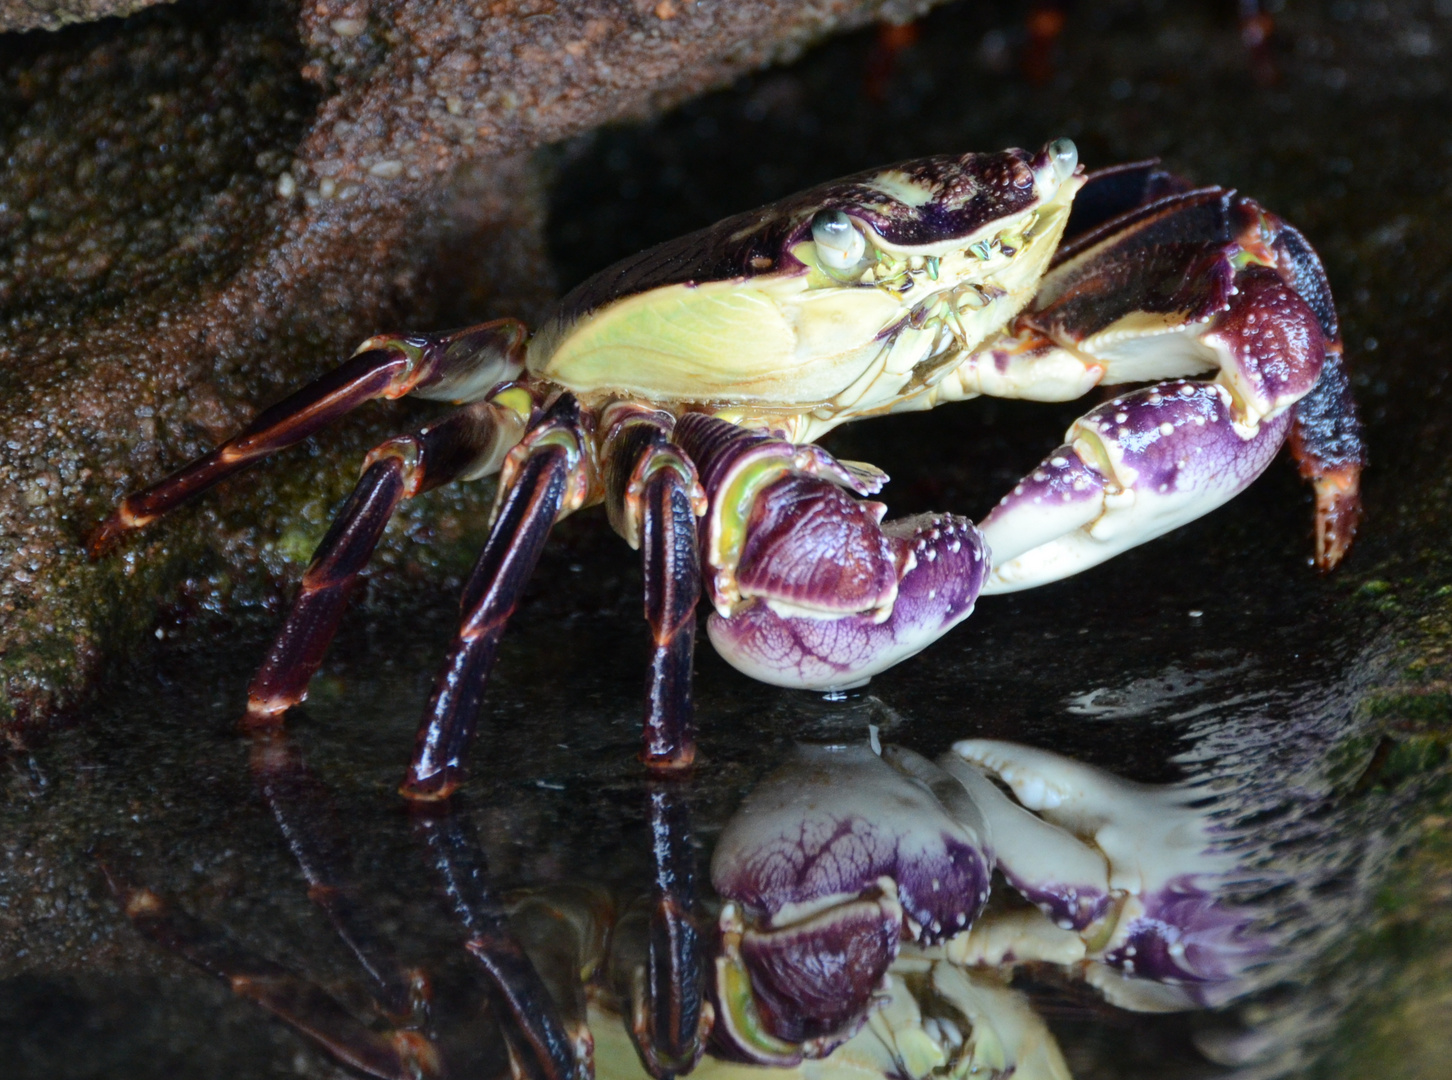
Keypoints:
(825, 868)
(786, 636)
(1174, 939)
(1054, 870)
(1129, 470)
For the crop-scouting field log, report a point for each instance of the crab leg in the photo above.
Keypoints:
(308, 821)
(1325, 439)
(461, 366)
(658, 950)
(541, 1047)
(1118, 189)
(545, 477)
(469, 444)
(304, 1006)
(672, 587)
(653, 498)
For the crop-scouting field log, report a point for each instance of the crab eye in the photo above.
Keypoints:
(840, 245)
(1065, 156)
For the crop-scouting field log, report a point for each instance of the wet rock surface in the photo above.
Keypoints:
(1213, 652)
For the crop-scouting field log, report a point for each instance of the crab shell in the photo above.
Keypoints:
(743, 316)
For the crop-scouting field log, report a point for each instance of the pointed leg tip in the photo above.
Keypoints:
(104, 538)
(1338, 515)
(435, 788)
(675, 763)
(262, 717)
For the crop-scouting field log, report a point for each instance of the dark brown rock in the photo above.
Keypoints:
(200, 210)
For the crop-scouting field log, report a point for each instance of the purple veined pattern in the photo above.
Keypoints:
(857, 916)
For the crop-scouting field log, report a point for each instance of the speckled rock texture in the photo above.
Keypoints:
(53, 14)
(202, 206)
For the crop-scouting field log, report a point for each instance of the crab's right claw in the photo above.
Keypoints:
(827, 866)
(1130, 470)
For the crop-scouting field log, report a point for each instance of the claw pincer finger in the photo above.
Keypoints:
(1130, 470)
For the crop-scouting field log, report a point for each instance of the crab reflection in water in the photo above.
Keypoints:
(859, 932)
(858, 935)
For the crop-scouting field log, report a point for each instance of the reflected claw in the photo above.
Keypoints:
(1149, 834)
(1062, 876)
(1173, 924)
(826, 867)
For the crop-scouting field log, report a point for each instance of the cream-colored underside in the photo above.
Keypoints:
(1004, 1036)
(800, 351)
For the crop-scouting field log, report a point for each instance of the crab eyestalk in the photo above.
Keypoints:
(827, 867)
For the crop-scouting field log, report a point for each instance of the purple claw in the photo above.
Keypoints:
(1132, 469)
(786, 645)
(825, 867)
(1055, 871)
(1173, 923)
(813, 979)
(1183, 933)
(833, 824)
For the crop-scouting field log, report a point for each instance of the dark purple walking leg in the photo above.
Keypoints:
(546, 477)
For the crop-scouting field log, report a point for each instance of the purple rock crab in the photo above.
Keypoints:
(684, 389)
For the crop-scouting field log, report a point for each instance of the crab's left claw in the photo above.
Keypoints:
(1171, 938)
(933, 566)
(811, 590)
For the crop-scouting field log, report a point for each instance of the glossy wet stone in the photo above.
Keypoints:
(1214, 652)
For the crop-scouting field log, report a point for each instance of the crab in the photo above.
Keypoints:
(685, 388)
